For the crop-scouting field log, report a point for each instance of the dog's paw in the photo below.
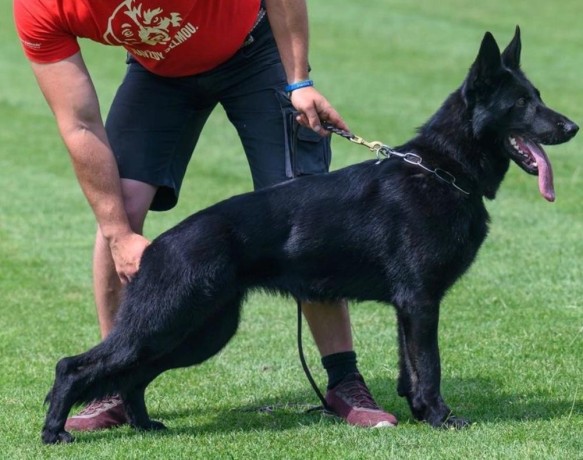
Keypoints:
(151, 425)
(61, 437)
(156, 426)
(455, 423)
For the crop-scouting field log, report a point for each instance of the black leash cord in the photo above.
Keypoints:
(305, 365)
(299, 305)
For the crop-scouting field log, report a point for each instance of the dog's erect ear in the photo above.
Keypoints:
(511, 55)
(485, 68)
(488, 62)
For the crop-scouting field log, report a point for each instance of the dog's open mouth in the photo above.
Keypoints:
(531, 157)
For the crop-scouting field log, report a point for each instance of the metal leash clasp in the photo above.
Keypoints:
(372, 146)
(381, 151)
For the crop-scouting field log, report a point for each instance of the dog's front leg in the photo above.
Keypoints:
(420, 368)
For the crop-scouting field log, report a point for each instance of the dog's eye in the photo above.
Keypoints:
(521, 102)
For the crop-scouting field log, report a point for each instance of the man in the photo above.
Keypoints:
(183, 60)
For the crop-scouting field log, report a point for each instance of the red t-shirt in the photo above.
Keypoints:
(170, 38)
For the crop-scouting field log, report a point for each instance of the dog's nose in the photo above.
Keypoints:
(570, 128)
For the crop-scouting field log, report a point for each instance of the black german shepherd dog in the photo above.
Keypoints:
(388, 231)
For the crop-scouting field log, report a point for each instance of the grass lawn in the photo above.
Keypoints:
(511, 330)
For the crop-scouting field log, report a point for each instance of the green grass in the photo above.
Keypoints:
(511, 330)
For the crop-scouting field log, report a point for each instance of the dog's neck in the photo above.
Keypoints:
(450, 142)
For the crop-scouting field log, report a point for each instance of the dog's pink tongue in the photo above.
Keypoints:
(545, 172)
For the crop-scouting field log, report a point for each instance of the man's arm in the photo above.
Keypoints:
(289, 22)
(71, 96)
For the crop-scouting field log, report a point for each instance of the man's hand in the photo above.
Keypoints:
(127, 252)
(314, 108)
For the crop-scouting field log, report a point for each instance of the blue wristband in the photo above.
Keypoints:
(297, 85)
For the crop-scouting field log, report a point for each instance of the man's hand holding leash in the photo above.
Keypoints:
(313, 108)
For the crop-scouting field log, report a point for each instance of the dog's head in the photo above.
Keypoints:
(507, 109)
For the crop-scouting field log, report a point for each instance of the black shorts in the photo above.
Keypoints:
(155, 122)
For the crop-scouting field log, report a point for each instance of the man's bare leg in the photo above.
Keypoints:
(347, 395)
(330, 326)
(107, 287)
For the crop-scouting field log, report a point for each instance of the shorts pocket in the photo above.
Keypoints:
(306, 152)
(312, 153)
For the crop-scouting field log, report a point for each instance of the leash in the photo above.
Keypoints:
(324, 405)
(384, 152)
(306, 369)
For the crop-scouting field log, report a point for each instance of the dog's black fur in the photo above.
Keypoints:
(390, 232)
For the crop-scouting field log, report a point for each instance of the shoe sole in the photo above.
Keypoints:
(384, 424)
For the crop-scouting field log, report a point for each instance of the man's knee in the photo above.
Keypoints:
(137, 198)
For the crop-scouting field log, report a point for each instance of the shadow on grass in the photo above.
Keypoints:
(483, 401)
(490, 401)
(263, 416)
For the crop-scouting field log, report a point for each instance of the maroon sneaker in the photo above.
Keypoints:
(352, 401)
(99, 415)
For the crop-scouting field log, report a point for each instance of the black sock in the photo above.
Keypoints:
(338, 366)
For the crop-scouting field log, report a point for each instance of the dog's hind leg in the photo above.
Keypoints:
(77, 379)
(135, 408)
(60, 400)
(88, 376)
(163, 305)
(420, 368)
(198, 346)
